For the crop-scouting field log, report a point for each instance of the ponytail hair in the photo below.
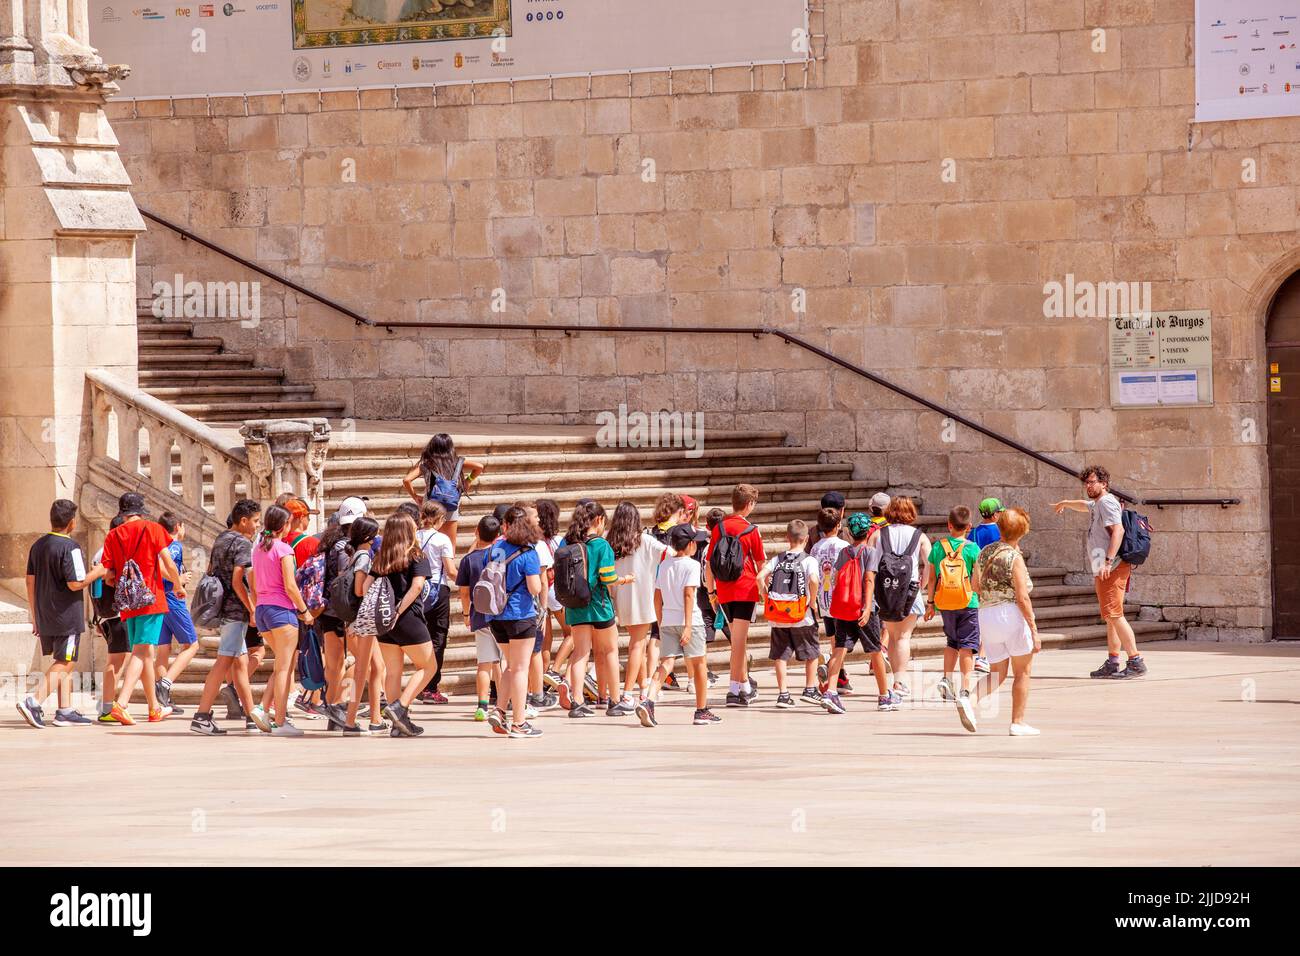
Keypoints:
(274, 522)
(584, 516)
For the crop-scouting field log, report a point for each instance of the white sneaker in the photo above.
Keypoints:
(530, 713)
(945, 689)
(966, 713)
(287, 730)
(258, 717)
(1023, 730)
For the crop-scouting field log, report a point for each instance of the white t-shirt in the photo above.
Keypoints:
(436, 546)
(811, 571)
(824, 552)
(635, 603)
(546, 549)
(675, 574)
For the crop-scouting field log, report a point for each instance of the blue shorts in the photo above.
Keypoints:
(962, 628)
(178, 624)
(271, 616)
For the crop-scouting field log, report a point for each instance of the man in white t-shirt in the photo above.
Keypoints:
(789, 583)
(1110, 576)
(676, 582)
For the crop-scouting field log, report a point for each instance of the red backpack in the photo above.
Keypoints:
(848, 593)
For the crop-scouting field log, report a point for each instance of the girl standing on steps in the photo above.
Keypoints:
(446, 477)
(278, 609)
(637, 554)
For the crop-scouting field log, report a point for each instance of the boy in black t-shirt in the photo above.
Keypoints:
(56, 576)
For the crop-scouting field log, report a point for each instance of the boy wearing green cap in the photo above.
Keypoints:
(987, 532)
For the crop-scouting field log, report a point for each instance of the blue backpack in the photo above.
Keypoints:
(1136, 546)
(445, 491)
(311, 662)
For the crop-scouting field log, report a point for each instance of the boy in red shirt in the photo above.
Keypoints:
(145, 542)
(732, 581)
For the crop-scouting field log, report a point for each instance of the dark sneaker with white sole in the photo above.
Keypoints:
(811, 695)
(737, 700)
(205, 725)
(31, 712)
(645, 712)
(72, 718)
(1136, 667)
(705, 716)
(784, 701)
(1108, 669)
(524, 730)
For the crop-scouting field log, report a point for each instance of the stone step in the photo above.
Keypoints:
(231, 376)
(475, 446)
(238, 411)
(541, 484)
(166, 346)
(172, 392)
(168, 331)
(608, 460)
(459, 679)
(795, 498)
(182, 364)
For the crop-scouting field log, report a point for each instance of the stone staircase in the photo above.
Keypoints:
(199, 378)
(567, 467)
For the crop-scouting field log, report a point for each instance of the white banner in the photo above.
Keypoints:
(252, 47)
(1247, 59)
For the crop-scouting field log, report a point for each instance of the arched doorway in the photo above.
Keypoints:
(1283, 342)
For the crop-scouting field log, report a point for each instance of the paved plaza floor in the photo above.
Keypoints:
(1199, 764)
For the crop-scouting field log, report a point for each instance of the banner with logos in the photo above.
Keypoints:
(1247, 59)
(254, 47)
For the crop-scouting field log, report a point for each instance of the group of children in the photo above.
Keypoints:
(375, 598)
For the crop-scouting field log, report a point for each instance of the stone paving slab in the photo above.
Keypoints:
(1198, 764)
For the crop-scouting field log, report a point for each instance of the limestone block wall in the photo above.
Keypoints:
(947, 159)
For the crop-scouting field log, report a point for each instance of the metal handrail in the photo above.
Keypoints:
(756, 331)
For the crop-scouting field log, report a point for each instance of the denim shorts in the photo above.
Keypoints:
(232, 639)
(271, 616)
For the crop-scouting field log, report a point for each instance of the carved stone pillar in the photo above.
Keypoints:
(288, 455)
(67, 259)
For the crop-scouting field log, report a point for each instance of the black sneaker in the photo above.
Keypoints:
(353, 731)
(706, 716)
(205, 725)
(1136, 667)
(549, 700)
(811, 695)
(619, 708)
(784, 701)
(401, 721)
(1108, 669)
(524, 730)
(581, 710)
(163, 693)
(645, 712)
(737, 700)
(228, 696)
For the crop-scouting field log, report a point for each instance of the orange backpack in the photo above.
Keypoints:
(953, 591)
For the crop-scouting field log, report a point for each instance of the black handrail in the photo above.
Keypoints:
(756, 331)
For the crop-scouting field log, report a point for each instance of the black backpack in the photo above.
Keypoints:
(1136, 546)
(341, 600)
(895, 587)
(727, 557)
(572, 589)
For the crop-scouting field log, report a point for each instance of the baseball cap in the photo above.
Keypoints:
(680, 535)
(351, 509)
(833, 499)
(859, 524)
(131, 503)
(688, 503)
(989, 507)
(880, 500)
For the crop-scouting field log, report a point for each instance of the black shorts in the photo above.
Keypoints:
(849, 633)
(739, 610)
(962, 628)
(409, 631)
(522, 630)
(63, 649)
(330, 625)
(799, 641)
(252, 639)
(114, 632)
(830, 626)
(598, 625)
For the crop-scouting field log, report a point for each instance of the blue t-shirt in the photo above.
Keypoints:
(519, 604)
(468, 572)
(178, 555)
(985, 534)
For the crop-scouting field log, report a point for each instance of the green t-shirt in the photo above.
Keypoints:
(600, 572)
(969, 552)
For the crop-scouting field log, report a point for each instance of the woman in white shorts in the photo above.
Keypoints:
(1006, 615)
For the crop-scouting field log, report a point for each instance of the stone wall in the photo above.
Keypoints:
(1061, 160)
